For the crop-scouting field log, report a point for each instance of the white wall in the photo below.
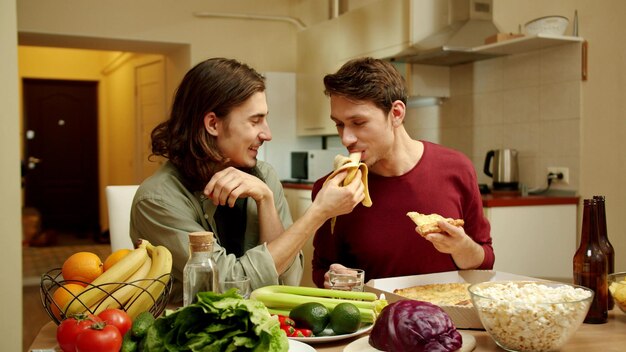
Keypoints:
(529, 102)
(603, 103)
(281, 101)
(265, 45)
(10, 214)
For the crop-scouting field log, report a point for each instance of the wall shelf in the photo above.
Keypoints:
(452, 56)
(526, 44)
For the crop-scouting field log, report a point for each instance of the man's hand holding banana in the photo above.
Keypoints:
(351, 165)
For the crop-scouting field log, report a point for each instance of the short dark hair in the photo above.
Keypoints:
(368, 79)
(215, 85)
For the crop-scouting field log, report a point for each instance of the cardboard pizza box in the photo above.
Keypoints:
(463, 317)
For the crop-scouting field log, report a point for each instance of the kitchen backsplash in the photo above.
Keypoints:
(529, 102)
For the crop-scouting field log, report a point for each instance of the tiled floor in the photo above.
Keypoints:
(35, 262)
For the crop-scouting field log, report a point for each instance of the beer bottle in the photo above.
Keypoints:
(591, 264)
(605, 244)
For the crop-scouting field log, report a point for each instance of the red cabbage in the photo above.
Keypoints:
(409, 325)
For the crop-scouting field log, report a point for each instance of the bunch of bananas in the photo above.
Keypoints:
(133, 283)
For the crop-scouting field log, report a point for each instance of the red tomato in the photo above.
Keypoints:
(303, 333)
(118, 318)
(100, 337)
(71, 327)
(288, 329)
(285, 320)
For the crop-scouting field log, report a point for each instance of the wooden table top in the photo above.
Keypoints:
(607, 337)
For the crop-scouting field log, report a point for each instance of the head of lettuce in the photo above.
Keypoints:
(217, 322)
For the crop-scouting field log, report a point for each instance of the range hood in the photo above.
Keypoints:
(469, 23)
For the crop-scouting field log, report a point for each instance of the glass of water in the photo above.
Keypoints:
(241, 283)
(347, 279)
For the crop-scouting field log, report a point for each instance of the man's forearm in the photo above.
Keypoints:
(290, 242)
(270, 225)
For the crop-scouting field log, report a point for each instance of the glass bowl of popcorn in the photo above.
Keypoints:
(617, 288)
(530, 315)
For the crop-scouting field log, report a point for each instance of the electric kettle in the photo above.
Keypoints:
(505, 173)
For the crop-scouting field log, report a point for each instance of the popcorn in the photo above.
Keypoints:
(531, 316)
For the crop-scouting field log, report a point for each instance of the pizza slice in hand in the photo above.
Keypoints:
(428, 223)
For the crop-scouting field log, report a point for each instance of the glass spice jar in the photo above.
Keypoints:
(200, 272)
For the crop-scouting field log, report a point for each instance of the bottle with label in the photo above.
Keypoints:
(605, 244)
(200, 273)
(591, 264)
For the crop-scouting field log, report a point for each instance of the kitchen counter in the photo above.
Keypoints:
(297, 185)
(498, 199)
(512, 200)
(607, 337)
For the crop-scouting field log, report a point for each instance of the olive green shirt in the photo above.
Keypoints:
(164, 212)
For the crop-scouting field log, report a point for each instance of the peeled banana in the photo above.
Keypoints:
(352, 164)
(353, 159)
(108, 282)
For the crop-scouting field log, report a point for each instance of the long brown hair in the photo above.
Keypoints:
(368, 79)
(215, 85)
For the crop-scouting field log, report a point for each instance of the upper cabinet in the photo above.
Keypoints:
(379, 29)
(324, 47)
(316, 58)
(423, 37)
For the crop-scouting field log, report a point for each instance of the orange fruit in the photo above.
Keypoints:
(115, 257)
(62, 296)
(82, 266)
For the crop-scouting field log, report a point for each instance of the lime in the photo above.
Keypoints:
(311, 315)
(345, 318)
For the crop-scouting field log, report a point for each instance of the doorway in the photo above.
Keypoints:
(61, 155)
(75, 58)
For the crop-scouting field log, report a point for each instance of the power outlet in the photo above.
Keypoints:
(558, 169)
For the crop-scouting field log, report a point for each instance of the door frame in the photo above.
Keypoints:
(140, 146)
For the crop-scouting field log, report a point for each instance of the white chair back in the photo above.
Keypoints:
(119, 202)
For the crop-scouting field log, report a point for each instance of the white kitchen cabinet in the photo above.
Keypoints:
(316, 58)
(299, 201)
(324, 47)
(378, 29)
(537, 241)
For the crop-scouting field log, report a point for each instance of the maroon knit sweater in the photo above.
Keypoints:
(382, 239)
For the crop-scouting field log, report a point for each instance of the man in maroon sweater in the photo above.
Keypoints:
(368, 104)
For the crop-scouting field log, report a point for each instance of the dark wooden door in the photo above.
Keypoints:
(61, 154)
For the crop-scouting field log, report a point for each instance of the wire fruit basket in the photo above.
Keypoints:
(53, 280)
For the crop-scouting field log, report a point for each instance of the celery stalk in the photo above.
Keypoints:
(322, 292)
(284, 298)
(288, 300)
